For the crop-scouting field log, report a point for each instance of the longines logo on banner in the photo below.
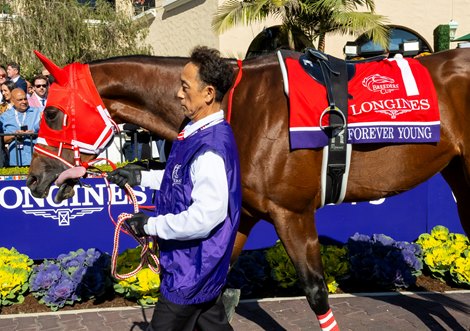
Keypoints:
(86, 201)
(391, 107)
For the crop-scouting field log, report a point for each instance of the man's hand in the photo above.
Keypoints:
(129, 174)
(136, 223)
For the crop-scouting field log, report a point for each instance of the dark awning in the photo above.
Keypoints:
(463, 38)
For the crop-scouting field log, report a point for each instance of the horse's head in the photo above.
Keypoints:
(75, 127)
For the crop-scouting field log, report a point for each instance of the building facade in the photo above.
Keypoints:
(176, 26)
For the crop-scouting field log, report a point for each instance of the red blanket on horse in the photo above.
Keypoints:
(390, 101)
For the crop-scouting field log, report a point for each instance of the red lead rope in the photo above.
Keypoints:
(149, 244)
(232, 90)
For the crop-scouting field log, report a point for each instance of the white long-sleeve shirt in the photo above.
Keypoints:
(209, 195)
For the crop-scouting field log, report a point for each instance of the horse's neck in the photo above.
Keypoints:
(142, 91)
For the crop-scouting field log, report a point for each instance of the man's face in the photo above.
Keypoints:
(19, 100)
(41, 87)
(192, 93)
(12, 72)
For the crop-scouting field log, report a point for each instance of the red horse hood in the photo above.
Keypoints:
(74, 93)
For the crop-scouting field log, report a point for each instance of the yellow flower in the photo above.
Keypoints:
(459, 246)
(440, 233)
(461, 270)
(15, 269)
(459, 241)
(458, 237)
(440, 257)
(148, 280)
(427, 242)
(12, 281)
(332, 284)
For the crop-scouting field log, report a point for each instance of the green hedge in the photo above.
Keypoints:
(14, 171)
(441, 37)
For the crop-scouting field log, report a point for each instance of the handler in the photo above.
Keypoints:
(197, 205)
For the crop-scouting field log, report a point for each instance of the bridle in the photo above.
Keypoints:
(86, 128)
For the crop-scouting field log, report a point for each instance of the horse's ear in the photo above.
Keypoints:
(59, 74)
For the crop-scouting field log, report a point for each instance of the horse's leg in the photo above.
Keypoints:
(299, 235)
(246, 224)
(231, 296)
(457, 176)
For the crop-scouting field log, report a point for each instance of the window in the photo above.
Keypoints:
(399, 37)
(270, 40)
(172, 4)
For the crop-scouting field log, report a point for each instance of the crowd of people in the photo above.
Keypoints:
(21, 106)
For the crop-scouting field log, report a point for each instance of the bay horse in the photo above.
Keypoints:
(280, 185)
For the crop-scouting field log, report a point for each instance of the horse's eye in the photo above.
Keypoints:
(50, 114)
(53, 117)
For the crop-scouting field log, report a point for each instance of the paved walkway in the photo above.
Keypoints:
(389, 311)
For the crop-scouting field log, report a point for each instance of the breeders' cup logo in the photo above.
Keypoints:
(63, 215)
(175, 175)
(378, 83)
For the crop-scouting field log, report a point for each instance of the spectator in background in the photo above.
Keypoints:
(21, 118)
(6, 89)
(3, 78)
(29, 88)
(48, 75)
(137, 145)
(3, 107)
(3, 154)
(13, 71)
(40, 89)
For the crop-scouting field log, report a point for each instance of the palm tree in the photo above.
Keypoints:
(315, 18)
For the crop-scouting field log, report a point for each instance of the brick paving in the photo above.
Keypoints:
(386, 311)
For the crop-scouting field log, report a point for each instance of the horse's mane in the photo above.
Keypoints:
(151, 58)
(136, 58)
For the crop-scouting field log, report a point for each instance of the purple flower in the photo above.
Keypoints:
(78, 274)
(383, 239)
(359, 237)
(59, 294)
(44, 276)
(92, 256)
(383, 261)
(71, 277)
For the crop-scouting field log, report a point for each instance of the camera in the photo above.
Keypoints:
(24, 128)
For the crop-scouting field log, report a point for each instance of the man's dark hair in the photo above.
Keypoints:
(35, 78)
(14, 65)
(213, 70)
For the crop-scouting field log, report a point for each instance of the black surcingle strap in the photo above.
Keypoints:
(335, 77)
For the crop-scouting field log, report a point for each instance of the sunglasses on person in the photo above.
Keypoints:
(40, 85)
(2, 76)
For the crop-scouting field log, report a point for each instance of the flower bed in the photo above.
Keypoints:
(82, 278)
(77, 276)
